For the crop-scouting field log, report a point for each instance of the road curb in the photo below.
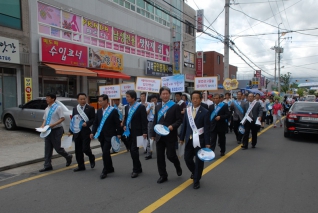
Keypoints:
(16, 165)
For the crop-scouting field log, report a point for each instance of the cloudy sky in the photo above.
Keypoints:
(300, 55)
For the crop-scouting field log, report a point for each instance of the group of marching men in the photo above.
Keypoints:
(196, 125)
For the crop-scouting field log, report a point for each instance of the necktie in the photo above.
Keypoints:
(82, 107)
(194, 113)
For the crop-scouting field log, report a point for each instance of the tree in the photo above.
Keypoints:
(284, 82)
(300, 92)
(311, 92)
(294, 85)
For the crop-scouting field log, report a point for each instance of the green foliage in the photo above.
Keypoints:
(285, 82)
(294, 85)
(311, 92)
(300, 92)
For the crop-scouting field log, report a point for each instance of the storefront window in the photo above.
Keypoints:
(8, 88)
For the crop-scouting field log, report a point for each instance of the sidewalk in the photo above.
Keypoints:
(24, 146)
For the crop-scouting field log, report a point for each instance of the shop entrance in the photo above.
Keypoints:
(8, 88)
(61, 86)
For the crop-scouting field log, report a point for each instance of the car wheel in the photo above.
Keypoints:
(9, 122)
(286, 134)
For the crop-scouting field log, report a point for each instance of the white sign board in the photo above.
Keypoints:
(175, 83)
(148, 84)
(113, 91)
(125, 87)
(206, 83)
(9, 50)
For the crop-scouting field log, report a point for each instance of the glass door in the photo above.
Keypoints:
(56, 87)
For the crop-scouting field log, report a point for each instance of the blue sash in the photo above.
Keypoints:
(132, 111)
(119, 112)
(49, 116)
(216, 110)
(239, 107)
(105, 116)
(164, 109)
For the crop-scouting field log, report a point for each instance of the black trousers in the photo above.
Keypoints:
(236, 125)
(248, 128)
(105, 144)
(134, 153)
(222, 138)
(169, 147)
(195, 166)
(82, 145)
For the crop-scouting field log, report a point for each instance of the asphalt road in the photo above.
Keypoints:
(280, 175)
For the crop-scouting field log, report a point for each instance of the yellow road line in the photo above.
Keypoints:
(161, 201)
(49, 173)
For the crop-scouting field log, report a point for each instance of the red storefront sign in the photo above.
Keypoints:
(60, 52)
(199, 64)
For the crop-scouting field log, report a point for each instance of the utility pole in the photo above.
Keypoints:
(279, 50)
(275, 64)
(226, 39)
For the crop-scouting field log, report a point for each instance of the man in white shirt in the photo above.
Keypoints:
(205, 99)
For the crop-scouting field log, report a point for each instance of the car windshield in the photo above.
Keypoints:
(303, 107)
(69, 104)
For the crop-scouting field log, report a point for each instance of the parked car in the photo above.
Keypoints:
(302, 118)
(30, 115)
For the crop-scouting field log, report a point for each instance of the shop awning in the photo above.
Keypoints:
(67, 70)
(110, 74)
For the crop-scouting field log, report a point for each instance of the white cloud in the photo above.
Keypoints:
(298, 51)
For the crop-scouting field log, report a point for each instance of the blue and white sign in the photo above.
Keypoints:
(175, 83)
(9, 50)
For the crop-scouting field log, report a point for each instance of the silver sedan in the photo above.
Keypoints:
(30, 115)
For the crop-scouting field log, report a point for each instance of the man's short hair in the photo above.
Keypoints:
(143, 93)
(178, 93)
(132, 94)
(216, 94)
(81, 93)
(196, 92)
(186, 97)
(104, 96)
(154, 96)
(164, 88)
(51, 95)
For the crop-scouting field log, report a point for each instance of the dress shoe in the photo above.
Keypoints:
(253, 146)
(239, 142)
(191, 177)
(196, 185)
(46, 169)
(103, 175)
(79, 169)
(148, 157)
(243, 147)
(162, 179)
(111, 171)
(179, 171)
(222, 154)
(69, 160)
(145, 152)
(134, 175)
(92, 161)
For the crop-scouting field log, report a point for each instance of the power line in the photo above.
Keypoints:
(272, 11)
(260, 2)
(286, 15)
(280, 14)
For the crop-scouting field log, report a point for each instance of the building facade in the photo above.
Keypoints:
(79, 47)
(14, 52)
(213, 65)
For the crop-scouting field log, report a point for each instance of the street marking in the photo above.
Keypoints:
(51, 173)
(161, 201)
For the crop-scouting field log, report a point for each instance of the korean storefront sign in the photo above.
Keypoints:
(125, 87)
(55, 22)
(106, 60)
(176, 58)
(9, 50)
(158, 69)
(113, 91)
(206, 83)
(60, 52)
(199, 64)
(175, 83)
(148, 84)
(28, 89)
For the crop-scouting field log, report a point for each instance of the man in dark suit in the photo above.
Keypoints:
(238, 114)
(109, 129)
(218, 122)
(82, 139)
(137, 125)
(255, 114)
(201, 120)
(171, 119)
